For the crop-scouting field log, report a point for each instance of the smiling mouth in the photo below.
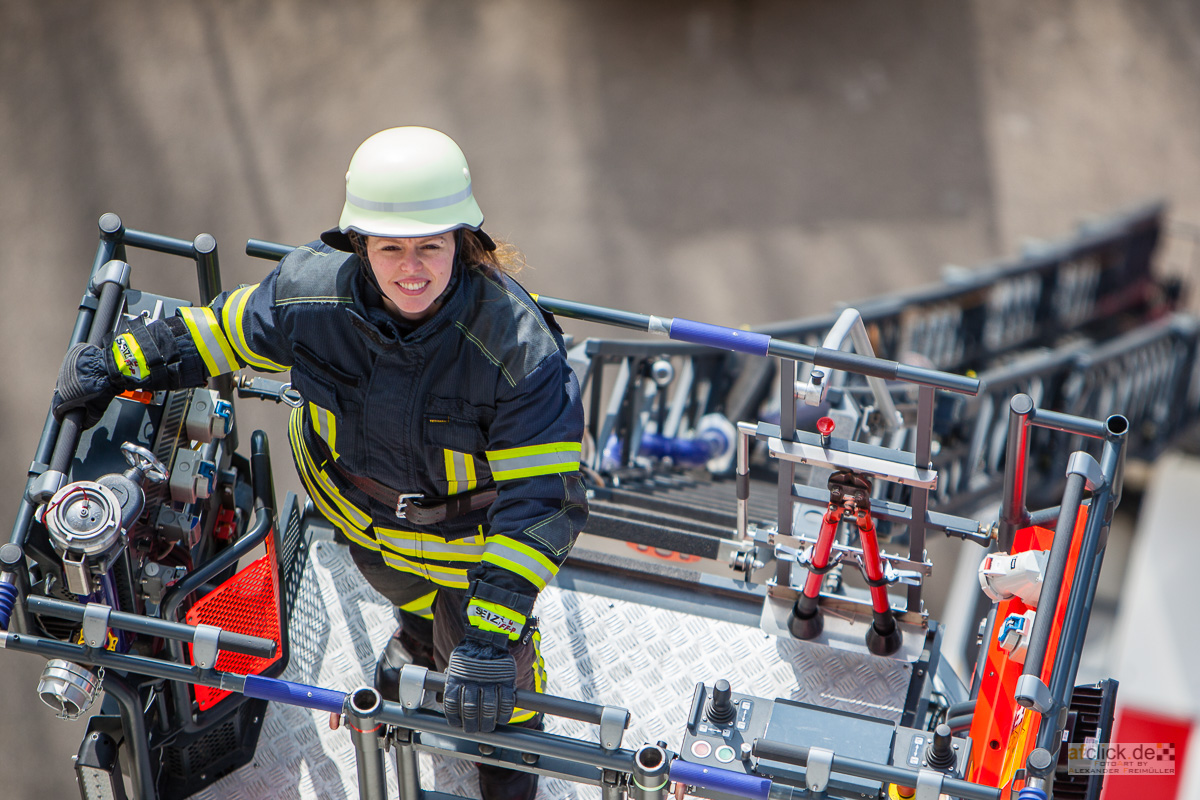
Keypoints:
(411, 288)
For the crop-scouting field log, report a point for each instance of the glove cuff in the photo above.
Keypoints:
(149, 356)
(497, 615)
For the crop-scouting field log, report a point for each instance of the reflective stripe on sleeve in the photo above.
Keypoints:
(231, 314)
(495, 618)
(520, 558)
(210, 340)
(537, 459)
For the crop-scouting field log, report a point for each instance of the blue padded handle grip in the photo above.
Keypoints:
(294, 694)
(686, 330)
(721, 780)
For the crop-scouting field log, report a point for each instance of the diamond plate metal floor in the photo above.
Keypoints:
(597, 649)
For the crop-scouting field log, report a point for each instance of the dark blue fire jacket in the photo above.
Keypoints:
(478, 395)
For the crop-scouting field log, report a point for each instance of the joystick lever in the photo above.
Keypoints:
(721, 710)
(940, 755)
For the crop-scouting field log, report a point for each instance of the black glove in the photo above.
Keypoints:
(83, 382)
(481, 686)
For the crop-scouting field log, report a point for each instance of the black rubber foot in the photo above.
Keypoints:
(803, 627)
(883, 644)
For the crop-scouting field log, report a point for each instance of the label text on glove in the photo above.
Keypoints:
(491, 621)
(129, 357)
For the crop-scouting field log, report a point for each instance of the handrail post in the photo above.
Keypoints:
(1013, 513)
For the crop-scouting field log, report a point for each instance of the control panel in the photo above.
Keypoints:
(724, 724)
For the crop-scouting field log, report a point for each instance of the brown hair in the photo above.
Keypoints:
(506, 258)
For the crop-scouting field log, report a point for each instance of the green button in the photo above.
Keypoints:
(725, 754)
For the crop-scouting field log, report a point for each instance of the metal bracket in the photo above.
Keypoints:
(818, 768)
(929, 784)
(114, 271)
(1083, 464)
(95, 624)
(814, 454)
(204, 646)
(612, 726)
(79, 580)
(412, 686)
(1032, 693)
(903, 576)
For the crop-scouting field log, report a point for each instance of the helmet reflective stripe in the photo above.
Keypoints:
(409, 181)
(415, 205)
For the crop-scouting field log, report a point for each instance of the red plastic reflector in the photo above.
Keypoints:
(246, 603)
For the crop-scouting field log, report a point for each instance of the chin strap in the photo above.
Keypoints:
(359, 243)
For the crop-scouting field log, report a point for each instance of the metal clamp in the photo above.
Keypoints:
(412, 686)
(805, 556)
(906, 577)
(204, 646)
(95, 624)
(1032, 693)
(1082, 463)
(45, 486)
(929, 784)
(818, 768)
(612, 726)
(114, 271)
(812, 391)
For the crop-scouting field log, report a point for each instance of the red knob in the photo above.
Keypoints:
(825, 425)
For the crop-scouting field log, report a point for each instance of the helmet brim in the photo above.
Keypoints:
(340, 240)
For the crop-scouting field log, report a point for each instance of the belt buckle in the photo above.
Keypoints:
(401, 500)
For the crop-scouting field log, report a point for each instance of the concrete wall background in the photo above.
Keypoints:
(739, 162)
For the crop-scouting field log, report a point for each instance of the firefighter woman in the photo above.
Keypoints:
(441, 428)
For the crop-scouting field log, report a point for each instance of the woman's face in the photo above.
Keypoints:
(412, 272)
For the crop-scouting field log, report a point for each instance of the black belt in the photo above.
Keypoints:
(417, 508)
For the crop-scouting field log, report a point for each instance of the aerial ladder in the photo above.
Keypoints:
(762, 500)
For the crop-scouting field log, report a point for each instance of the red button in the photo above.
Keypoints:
(701, 748)
(826, 425)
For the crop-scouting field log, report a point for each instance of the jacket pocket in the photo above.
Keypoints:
(455, 437)
(330, 396)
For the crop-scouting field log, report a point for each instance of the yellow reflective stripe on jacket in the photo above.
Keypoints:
(325, 424)
(320, 479)
(422, 606)
(460, 472)
(442, 576)
(536, 459)
(231, 315)
(495, 618)
(520, 558)
(210, 340)
(129, 358)
(430, 545)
